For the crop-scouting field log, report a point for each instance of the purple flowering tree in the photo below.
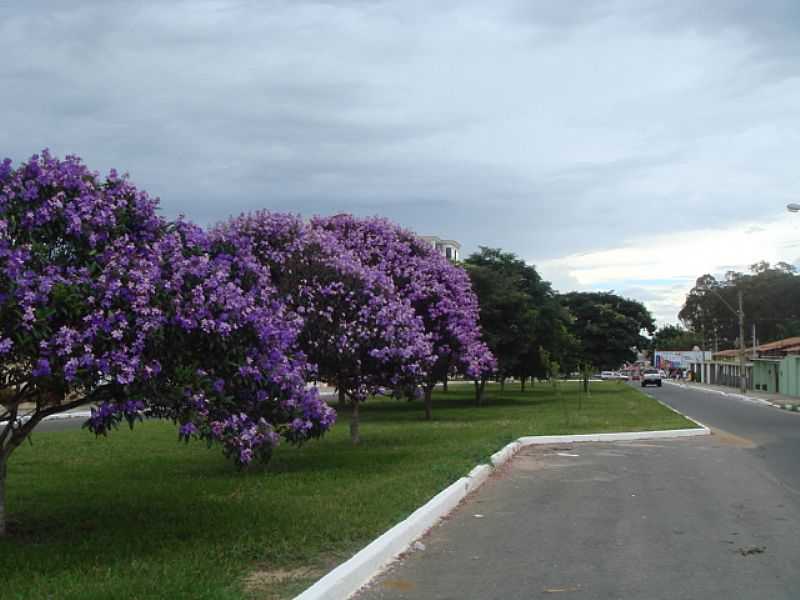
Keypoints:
(356, 329)
(479, 364)
(78, 268)
(230, 370)
(439, 292)
(103, 303)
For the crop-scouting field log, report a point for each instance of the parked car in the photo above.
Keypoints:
(613, 376)
(651, 377)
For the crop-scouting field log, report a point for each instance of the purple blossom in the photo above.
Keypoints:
(439, 292)
(353, 326)
(187, 430)
(106, 298)
(42, 368)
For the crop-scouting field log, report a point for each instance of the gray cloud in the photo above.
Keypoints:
(547, 128)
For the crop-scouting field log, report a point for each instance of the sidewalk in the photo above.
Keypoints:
(777, 400)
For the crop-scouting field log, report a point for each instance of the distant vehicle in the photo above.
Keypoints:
(651, 377)
(613, 376)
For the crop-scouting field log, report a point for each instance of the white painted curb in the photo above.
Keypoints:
(738, 396)
(504, 455)
(351, 575)
(355, 573)
(623, 436)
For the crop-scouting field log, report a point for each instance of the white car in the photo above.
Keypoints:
(612, 376)
(651, 377)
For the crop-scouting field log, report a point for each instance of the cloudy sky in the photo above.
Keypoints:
(617, 145)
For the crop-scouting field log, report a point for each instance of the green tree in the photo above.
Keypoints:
(675, 337)
(771, 297)
(608, 328)
(519, 312)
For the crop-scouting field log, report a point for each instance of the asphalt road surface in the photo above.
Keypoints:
(709, 517)
(775, 433)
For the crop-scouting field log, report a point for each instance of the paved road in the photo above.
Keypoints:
(706, 518)
(775, 432)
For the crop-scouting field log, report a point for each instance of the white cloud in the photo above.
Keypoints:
(660, 270)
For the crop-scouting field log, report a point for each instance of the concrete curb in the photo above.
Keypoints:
(623, 436)
(755, 399)
(353, 574)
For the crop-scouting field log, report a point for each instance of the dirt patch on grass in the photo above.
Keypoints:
(270, 584)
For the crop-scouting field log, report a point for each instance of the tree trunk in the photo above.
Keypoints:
(522, 383)
(585, 385)
(483, 388)
(428, 402)
(502, 384)
(479, 386)
(354, 435)
(3, 472)
(444, 384)
(342, 399)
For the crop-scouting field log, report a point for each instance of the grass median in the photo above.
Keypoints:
(138, 515)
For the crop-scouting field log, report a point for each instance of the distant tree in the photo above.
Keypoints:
(519, 312)
(771, 299)
(508, 316)
(675, 337)
(586, 370)
(608, 327)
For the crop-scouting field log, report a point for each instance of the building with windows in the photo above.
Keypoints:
(450, 249)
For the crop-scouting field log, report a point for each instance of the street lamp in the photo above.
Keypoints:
(793, 207)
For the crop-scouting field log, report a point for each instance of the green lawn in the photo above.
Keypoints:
(139, 515)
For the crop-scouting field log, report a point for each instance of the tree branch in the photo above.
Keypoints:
(62, 407)
(18, 435)
(9, 426)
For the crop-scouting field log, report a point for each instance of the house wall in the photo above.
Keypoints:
(764, 375)
(722, 373)
(790, 376)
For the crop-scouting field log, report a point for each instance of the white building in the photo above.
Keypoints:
(450, 249)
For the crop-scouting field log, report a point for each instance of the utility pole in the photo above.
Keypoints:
(740, 313)
(742, 378)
